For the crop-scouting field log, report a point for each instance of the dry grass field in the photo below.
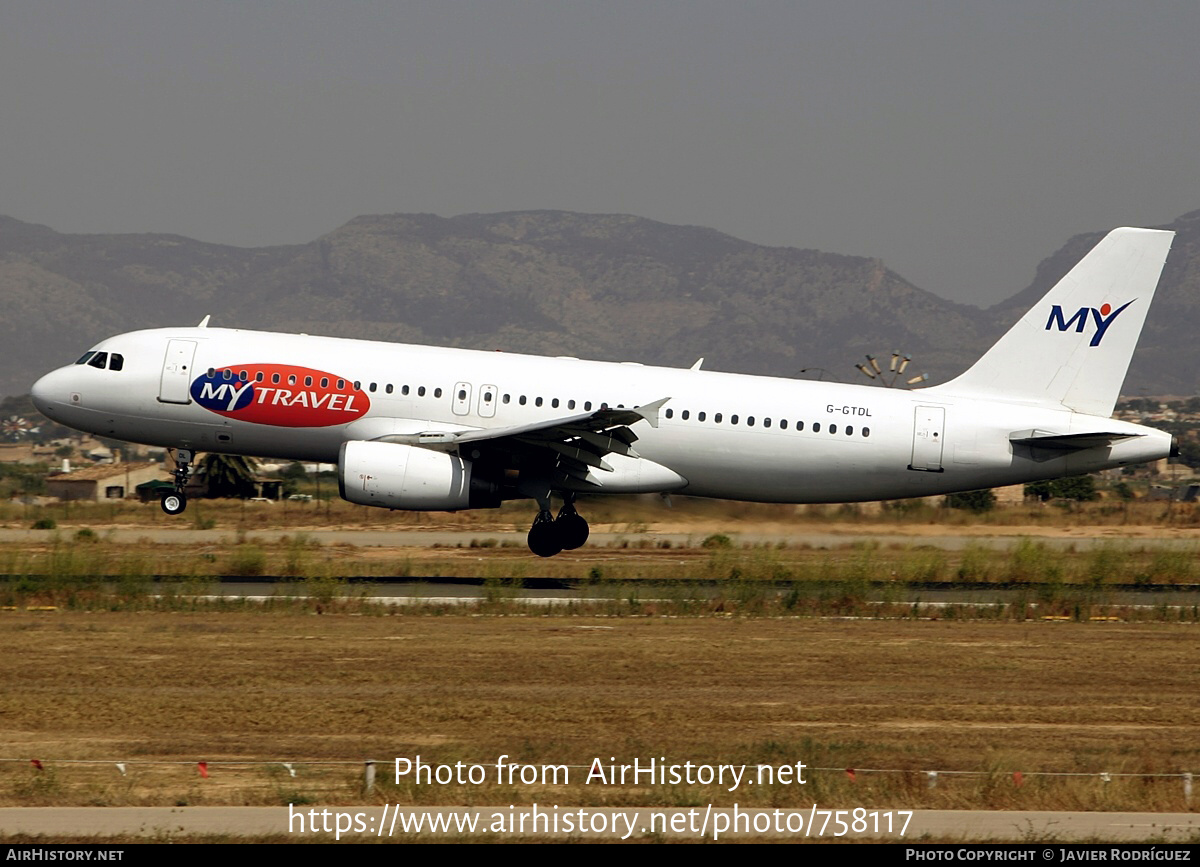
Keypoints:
(907, 696)
(781, 659)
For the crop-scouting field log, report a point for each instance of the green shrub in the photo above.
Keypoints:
(972, 501)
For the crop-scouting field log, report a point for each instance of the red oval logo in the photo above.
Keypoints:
(283, 395)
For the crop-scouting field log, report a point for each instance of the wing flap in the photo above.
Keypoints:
(574, 443)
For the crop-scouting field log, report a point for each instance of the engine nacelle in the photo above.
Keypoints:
(406, 477)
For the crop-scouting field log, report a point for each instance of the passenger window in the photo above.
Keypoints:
(341, 384)
(324, 382)
(685, 414)
(388, 388)
(437, 392)
(799, 425)
(505, 399)
(421, 391)
(866, 431)
(83, 359)
(570, 404)
(670, 413)
(521, 400)
(750, 421)
(371, 387)
(766, 422)
(227, 374)
(243, 376)
(554, 403)
(462, 394)
(275, 378)
(816, 427)
(292, 379)
(537, 402)
(733, 419)
(116, 362)
(833, 428)
(717, 418)
(259, 377)
(99, 360)
(849, 430)
(308, 380)
(404, 389)
(587, 406)
(783, 424)
(700, 416)
(357, 384)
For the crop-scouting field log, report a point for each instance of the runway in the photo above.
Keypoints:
(1000, 541)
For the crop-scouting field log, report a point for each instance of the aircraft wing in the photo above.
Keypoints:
(569, 446)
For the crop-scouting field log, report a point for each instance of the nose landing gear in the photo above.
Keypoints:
(174, 502)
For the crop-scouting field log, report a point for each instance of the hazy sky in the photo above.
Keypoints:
(959, 141)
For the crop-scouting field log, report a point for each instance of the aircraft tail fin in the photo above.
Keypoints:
(1073, 348)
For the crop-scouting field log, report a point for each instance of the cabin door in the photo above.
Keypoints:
(928, 437)
(177, 372)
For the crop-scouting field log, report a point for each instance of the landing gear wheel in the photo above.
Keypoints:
(173, 503)
(543, 536)
(572, 530)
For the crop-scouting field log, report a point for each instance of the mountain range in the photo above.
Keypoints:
(610, 287)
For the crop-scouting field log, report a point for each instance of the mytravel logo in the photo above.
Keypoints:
(1101, 317)
(279, 394)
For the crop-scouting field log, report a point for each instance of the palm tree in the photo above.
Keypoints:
(228, 475)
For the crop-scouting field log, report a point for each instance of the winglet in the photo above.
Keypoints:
(650, 411)
(699, 362)
(204, 321)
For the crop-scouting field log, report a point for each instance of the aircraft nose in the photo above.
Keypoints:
(40, 393)
(50, 391)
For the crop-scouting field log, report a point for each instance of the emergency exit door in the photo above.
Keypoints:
(462, 398)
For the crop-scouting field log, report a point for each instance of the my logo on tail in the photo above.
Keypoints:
(1103, 317)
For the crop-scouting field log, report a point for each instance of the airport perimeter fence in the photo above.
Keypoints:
(369, 768)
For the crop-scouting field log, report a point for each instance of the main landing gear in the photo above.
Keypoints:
(550, 535)
(174, 502)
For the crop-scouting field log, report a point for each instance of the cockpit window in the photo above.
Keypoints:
(99, 360)
(116, 361)
(83, 359)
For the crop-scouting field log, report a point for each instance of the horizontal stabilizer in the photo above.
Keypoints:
(1068, 442)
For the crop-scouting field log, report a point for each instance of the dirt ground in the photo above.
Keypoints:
(892, 699)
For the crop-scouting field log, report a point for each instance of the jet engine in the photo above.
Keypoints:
(406, 477)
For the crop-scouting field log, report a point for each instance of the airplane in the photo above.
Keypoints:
(435, 429)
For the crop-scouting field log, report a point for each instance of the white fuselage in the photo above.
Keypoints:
(734, 436)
